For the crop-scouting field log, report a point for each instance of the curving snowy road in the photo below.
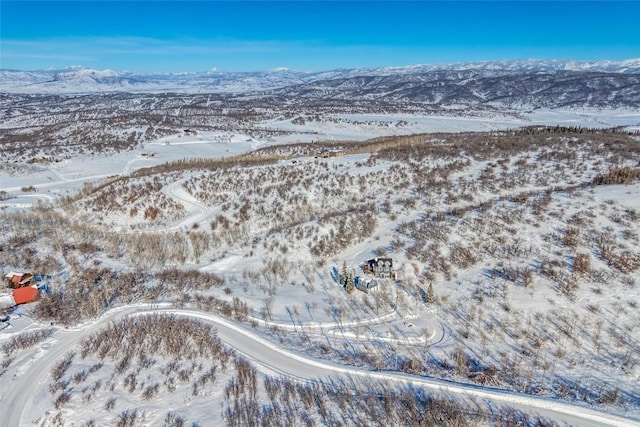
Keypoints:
(270, 359)
(198, 212)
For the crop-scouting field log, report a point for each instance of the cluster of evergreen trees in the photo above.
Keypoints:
(347, 279)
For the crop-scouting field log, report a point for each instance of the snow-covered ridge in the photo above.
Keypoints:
(85, 80)
(626, 66)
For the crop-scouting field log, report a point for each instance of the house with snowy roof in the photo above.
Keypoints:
(18, 279)
(380, 267)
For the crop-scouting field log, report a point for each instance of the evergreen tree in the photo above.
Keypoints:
(343, 275)
(350, 286)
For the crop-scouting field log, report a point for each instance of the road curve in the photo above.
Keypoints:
(198, 212)
(271, 359)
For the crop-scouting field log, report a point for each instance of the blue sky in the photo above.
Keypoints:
(167, 36)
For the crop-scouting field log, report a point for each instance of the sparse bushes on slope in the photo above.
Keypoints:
(618, 175)
(25, 340)
(89, 293)
(375, 404)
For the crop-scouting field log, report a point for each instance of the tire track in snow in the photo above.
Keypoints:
(332, 329)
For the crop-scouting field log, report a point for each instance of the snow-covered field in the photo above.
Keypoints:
(364, 126)
(63, 178)
(533, 263)
(68, 175)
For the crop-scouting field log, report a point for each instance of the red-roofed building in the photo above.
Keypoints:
(25, 294)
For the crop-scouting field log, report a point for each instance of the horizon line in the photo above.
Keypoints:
(292, 69)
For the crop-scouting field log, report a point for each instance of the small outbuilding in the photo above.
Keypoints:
(25, 295)
(17, 279)
(366, 284)
(326, 153)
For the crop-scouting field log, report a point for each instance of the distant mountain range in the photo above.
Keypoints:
(512, 89)
(77, 80)
(511, 84)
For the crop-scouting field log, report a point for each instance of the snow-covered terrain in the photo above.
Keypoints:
(161, 223)
(280, 301)
(29, 391)
(67, 176)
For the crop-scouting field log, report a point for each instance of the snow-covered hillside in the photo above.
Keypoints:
(516, 255)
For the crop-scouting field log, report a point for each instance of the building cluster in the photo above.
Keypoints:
(374, 270)
(24, 289)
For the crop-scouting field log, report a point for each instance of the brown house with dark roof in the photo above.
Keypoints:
(16, 279)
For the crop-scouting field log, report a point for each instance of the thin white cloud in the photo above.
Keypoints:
(151, 54)
(45, 56)
(139, 45)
